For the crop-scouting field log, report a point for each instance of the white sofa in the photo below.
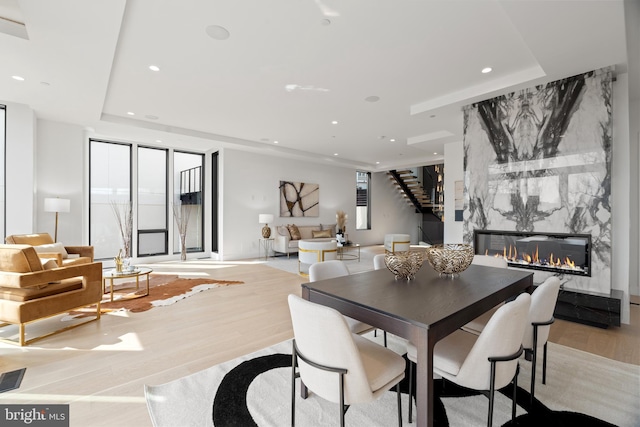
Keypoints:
(285, 243)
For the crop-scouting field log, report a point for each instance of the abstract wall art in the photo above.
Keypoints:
(540, 160)
(299, 199)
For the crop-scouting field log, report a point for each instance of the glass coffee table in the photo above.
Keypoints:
(350, 251)
(112, 275)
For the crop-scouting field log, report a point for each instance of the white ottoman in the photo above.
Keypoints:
(397, 242)
(311, 251)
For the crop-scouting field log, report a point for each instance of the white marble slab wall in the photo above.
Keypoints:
(540, 160)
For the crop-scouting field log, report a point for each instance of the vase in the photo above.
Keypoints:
(183, 247)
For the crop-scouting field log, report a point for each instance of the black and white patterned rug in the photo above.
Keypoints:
(255, 390)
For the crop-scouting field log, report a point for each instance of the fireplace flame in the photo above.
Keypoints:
(511, 255)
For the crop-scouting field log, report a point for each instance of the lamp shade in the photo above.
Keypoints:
(57, 205)
(265, 218)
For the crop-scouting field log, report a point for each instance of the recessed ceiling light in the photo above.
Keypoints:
(335, 122)
(435, 153)
(392, 140)
(154, 68)
(158, 140)
(377, 163)
(486, 70)
(275, 142)
(217, 32)
(131, 113)
(372, 98)
(335, 154)
(18, 78)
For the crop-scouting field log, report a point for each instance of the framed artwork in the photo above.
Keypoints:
(299, 199)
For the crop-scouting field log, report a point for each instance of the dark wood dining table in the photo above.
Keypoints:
(423, 310)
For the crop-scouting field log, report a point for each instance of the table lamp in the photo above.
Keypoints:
(265, 219)
(57, 205)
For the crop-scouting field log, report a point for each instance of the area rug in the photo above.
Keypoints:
(254, 390)
(163, 290)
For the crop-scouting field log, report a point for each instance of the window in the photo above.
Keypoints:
(363, 201)
(110, 190)
(188, 169)
(152, 201)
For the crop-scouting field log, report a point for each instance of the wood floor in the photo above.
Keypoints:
(101, 368)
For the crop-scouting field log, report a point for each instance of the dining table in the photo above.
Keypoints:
(422, 310)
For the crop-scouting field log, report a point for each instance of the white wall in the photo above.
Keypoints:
(453, 171)
(620, 194)
(61, 165)
(249, 187)
(20, 169)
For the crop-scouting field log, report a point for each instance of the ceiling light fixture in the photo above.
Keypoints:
(158, 140)
(131, 113)
(217, 32)
(154, 68)
(392, 140)
(20, 79)
(435, 154)
(335, 122)
(335, 154)
(486, 70)
(275, 142)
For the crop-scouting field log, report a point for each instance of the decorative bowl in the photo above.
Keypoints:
(450, 258)
(404, 265)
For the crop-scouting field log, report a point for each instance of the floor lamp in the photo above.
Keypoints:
(57, 205)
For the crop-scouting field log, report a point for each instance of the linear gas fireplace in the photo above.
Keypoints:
(556, 252)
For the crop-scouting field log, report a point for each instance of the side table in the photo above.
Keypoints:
(266, 245)
(351, 251)
(112, 275)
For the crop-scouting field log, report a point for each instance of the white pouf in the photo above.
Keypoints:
(397, 242)
(316, 250)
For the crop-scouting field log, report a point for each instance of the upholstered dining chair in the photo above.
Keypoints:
(329, 270)
(378, 262)
(543, 304)
(489, 261)
(337, 365)
(485, 362)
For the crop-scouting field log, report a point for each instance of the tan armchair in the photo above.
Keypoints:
(47, 248)
(29, 292)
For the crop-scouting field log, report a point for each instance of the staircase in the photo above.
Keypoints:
(411, 188)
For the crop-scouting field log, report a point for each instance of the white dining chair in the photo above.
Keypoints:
(536, 336)
(329, 270)
(485, 362)
(337, 365)
(378, 262)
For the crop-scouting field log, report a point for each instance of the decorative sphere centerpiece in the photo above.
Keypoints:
(404, 265)
(450, 258)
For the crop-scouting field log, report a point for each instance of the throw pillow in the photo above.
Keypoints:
(49, 264)
(52, 248)
(321, 233)
(293, 230)
(331, 228)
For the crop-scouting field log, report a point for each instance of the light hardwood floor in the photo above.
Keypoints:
(101, 368)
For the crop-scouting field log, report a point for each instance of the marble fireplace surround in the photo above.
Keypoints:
(539, 161)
